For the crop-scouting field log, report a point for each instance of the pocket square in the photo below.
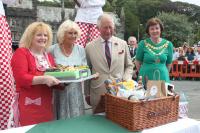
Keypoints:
(121, 52)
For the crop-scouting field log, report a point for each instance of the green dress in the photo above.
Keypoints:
(154, 58)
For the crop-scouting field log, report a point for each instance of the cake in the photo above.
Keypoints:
(69, 72)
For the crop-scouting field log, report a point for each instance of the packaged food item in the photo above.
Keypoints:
(69, 72)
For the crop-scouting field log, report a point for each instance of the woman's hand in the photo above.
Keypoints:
(45, 79)
(138, 65)
(50, 80)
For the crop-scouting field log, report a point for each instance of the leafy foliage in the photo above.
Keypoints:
(108, 7)
(192, 11)
(177, 27)
(181, 20)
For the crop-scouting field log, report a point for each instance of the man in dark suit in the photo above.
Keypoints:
(132, 43)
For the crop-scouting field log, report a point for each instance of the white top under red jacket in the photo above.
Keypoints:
(2, 12)
(89, 11)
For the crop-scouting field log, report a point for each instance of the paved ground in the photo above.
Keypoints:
(192, 92)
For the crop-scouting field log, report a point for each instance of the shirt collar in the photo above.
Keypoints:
(103, 41)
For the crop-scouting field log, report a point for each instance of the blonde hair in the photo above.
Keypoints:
(30, 31)
(66, 26)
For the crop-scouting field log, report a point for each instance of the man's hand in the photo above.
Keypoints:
(96, 76)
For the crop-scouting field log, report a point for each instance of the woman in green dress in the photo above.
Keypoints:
(154, 54)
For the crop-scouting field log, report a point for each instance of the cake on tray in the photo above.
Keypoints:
(69, 72)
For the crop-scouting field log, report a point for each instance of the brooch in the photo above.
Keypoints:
(115, 43)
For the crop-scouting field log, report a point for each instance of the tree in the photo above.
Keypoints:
(192, 11)
(132, 21)
(108, 7)
(131, 24)
(178, 29)
(197, 32)
(148, 9)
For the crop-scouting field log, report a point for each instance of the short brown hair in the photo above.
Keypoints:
(154, 21)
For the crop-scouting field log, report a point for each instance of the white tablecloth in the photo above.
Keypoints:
(185, 125)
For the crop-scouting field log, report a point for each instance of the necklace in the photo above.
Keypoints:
(152, 48)
(65, 53)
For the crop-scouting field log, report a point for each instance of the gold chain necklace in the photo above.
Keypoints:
(151, 48)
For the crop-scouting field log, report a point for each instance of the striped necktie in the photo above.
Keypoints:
(107, 52)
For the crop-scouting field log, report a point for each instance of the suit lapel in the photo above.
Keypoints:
(113, 52)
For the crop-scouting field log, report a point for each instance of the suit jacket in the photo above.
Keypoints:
(132, 52)
(121, 64)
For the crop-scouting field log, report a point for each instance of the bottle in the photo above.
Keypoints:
(183, 97)
(140, 84)
(183, 105)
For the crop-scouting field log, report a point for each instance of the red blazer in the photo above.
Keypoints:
(35, 101)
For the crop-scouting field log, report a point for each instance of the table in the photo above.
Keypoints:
(99, 124)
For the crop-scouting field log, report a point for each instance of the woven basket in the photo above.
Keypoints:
(140, 115)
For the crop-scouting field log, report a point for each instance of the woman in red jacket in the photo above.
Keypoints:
(33, 87)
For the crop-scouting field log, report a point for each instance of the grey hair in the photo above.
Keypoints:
(103, 16)
(131, 38)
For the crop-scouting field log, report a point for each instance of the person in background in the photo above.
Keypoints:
(185, 47)
(181, 54)
(175, 54)
(29, 63)
(68, 102)
(6, 78)
(132, 43)
(154, 54)
(197, 56)
(87, 13)
(110, 57)
(190, 55)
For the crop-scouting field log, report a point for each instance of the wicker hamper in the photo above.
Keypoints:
(140, 115)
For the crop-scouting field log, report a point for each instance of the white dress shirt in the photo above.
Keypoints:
(109, 45)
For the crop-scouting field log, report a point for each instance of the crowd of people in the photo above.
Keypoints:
(39, 98)
(187, 53)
